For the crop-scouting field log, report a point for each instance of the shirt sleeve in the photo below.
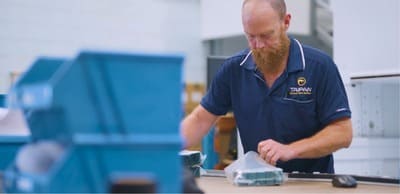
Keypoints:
(218, 97)
(332, 100)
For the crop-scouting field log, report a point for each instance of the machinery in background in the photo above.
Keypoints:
(225, 141)
(375, 149)
(220, 144)
(103, 122)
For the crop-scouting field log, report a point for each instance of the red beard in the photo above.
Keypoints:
(270, 59)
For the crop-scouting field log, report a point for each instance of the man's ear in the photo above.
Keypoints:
(286, 21)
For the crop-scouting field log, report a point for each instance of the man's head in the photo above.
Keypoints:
(265, 23)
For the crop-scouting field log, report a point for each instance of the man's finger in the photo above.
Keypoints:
(275, 159)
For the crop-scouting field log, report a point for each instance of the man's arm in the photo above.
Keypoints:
(336, 135)
(196, 125)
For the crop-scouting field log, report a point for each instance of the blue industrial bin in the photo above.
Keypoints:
(115, 115)
(9, 144)
(2, 100)
(90, 167)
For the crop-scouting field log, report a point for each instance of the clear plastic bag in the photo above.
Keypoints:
(251, 170)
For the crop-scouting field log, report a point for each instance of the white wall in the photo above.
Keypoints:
(366, 36)
(301, 16)
(62, 28)
(222, 18)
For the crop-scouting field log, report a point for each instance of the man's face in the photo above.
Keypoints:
(266, 35)
(273, 53)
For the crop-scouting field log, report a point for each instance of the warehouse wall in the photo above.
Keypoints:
(222, 18)
(366, 36)
(62, 28)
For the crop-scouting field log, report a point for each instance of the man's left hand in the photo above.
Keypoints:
(272, 151)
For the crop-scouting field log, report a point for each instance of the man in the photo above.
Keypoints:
(288, 99)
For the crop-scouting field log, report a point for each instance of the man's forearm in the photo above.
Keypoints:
(336, 135)
(196, 125)
(190, 131)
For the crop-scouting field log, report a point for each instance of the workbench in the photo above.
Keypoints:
(222, 185)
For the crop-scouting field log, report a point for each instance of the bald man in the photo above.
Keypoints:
(288, 99)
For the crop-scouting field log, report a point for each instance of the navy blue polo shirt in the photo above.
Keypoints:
(303, 100)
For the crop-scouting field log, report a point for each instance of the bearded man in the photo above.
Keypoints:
(288, 99)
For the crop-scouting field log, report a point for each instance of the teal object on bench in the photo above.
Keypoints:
(114, 114)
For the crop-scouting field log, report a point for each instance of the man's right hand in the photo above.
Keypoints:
(272, 151)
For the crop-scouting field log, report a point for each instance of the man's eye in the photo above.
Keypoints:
(265, 36)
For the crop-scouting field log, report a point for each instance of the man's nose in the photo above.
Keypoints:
(259, 43)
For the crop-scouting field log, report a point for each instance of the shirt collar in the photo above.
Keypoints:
(296, 60)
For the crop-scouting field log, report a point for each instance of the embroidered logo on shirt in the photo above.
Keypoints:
(301, 81)
(300, 90)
